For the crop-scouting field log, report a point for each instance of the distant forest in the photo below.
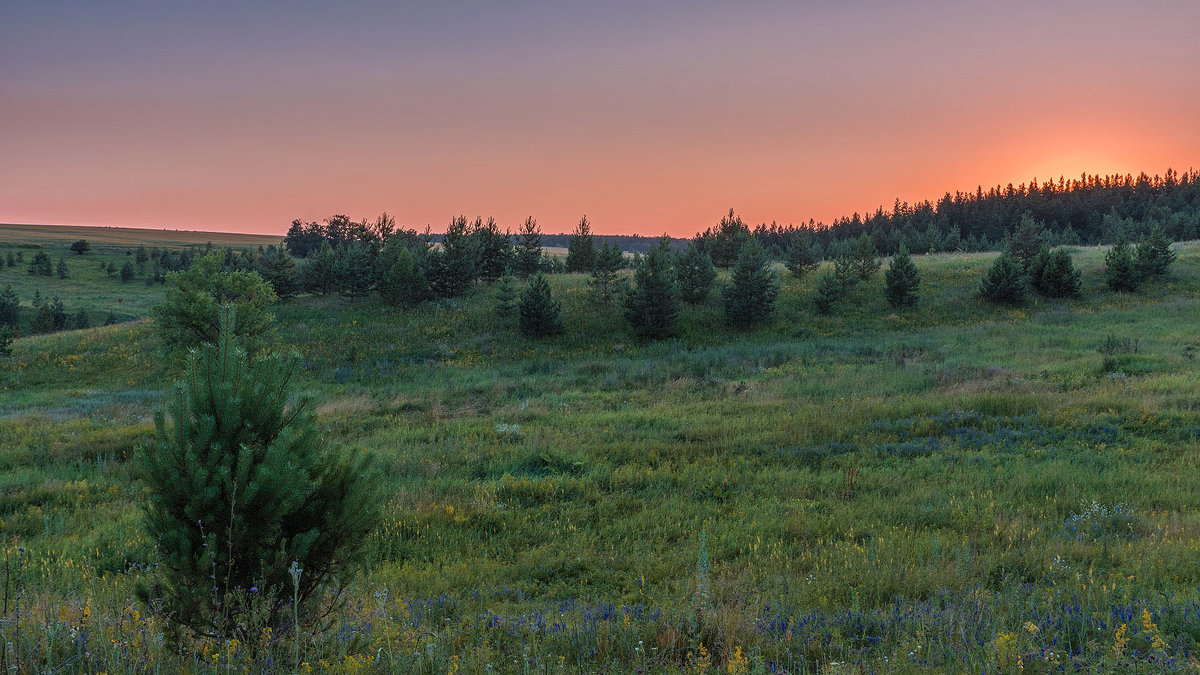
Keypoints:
(1090, 210)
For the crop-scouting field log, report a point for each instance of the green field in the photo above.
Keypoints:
(952, 488)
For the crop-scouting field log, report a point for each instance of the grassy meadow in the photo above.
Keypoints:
(950, 488)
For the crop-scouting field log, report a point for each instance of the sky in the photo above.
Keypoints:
(648, 116)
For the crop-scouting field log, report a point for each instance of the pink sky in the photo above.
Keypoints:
(648, 117)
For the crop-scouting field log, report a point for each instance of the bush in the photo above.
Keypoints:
(540, 313)
(127, 272)
(901, 280)
(1005, 282)
(277, 267)
(190, 311)
(750, 297)
(80, 247)
(244, 484)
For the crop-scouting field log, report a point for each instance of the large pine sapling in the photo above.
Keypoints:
(1154, 254)
(241, 484)
(652, 303)
(696, 274)
(750, 296)
(1121, 269)
(540, 314)
(1005, 281)
(901, 280)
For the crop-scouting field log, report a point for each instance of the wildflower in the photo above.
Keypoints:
(1030, 627)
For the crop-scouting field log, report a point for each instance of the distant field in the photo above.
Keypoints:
(50, 235)
(954, 487)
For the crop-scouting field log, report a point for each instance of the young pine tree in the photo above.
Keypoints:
(528, 255)
(540, 313)
(1154, 254)
(605, 283)
(277, 267)
(506, 297)
(6, 340)
(581, 251)
(865, 258)
(190, 313)
(901, 280)
(1005, 281)
(696, 274)
(41, 265)
(320, 272)
(750, 296)
(652, 304)
(1121, 269)
(63, 272)
(801, 257)
(82, 320)
(10, 307)
(456, 265)
(495, 250)
(1027, 240)
(828, 292)
(126, 272)
(355, 270)
(404, 284)
(243, 484)
(1053, 275)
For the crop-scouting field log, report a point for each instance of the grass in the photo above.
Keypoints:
(950, 488)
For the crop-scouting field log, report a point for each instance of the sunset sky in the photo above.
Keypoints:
(646, 116)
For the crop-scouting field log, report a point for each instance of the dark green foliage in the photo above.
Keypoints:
(528, 249)
(11, 261)
(750, 296)
(495, 250)
(110, 319)
(828, 292)
(10, 307)
(452, 270)
(320, 274)
(581, 250)
(355, 270)
(605, 282)
(37, 301)
(82, 320)
(724, 242)
(79, 247)
(241, 484)
(63, 272)
(41, 265)
(846, 272)
(126, 272)
(1154, 254)
(1052, 274)
(1120, 268)
(6, 340)
(540, 313)
(801, 257)
(142, 257)
(51, 317)
(864, 258)
(652, 304)
(506, 297)
(404, 284)
(190, 313)
(277, 267)
(901, 280)
(696, 274)
(1005, 281)
(1027, 240)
